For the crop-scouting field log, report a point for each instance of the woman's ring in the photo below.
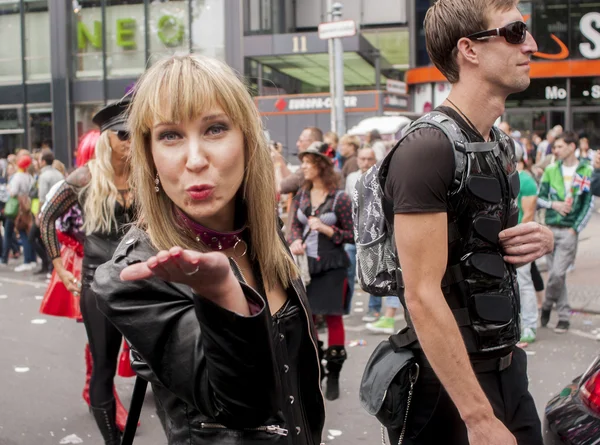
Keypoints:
(193, 271)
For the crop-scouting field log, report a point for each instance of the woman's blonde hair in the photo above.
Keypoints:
(180, 89)
(100, 194)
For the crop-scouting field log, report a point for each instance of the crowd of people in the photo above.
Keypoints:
(167, 234)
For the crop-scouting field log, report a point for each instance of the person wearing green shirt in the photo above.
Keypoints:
(565, 192)
(527, 202)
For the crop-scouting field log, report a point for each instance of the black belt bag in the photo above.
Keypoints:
(387, 385)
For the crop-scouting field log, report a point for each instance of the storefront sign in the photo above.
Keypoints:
(589, 25)
(317, 103)
(171, 31)
(555, 93)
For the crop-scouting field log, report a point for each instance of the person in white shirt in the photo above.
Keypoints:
(365, 160)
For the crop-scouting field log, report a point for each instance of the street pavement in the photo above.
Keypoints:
(42, 366)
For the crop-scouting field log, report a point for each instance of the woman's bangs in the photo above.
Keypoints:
(182, 93)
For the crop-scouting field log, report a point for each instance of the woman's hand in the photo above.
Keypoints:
(208, 274)
(319, 226)
(297, 247)
(316, 224)
(72, 284)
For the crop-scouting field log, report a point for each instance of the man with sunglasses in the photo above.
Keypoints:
(461, 231)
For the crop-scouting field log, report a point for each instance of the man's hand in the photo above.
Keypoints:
(490, 432)
(525, 243)
(562, 207)
(597, 159)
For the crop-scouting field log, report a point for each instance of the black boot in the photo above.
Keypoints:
(105, 418)
(321, 352)
(335, 356)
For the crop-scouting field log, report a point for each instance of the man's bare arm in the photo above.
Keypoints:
(422, 243)
(528, 204)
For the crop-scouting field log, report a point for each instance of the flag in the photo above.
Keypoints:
(582, 183)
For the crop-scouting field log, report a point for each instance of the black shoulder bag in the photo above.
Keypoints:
(388, 382)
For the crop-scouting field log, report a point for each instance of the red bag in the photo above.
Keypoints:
(124, 369)
(58, 300)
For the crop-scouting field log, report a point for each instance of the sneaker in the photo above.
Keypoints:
(385, 325)
(544, 318)
(371, 317)
(528, 335)
(562, 327)
(25, 267)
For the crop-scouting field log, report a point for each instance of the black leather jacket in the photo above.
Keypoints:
(219, 377)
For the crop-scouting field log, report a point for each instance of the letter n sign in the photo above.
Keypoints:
(84, 35)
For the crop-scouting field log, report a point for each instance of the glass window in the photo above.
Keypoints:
(11, 130)
(125, 38)
(589, 124)
(37, 40)
(208, 28)
(88, 39)
(40, 128)
(10, 54)
(169, 28)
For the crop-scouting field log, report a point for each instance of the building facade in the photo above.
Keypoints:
(288, 66)
(565, 72)
(68, 58)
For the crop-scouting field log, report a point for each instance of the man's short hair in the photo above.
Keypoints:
(447, 21)
(569, 137)
(332, 135)
(47, 156)
(315, 133)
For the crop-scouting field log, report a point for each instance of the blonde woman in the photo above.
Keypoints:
(101, 189)
(204, 287)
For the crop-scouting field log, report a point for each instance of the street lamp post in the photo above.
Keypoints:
(338, 52)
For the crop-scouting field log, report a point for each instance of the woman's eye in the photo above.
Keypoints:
(217, 129)
(168, 136)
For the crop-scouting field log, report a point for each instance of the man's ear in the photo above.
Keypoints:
(468, 51)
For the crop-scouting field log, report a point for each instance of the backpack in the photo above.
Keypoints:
(378, 268)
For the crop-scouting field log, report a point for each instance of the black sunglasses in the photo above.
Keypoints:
(123, 135)
(514, 33)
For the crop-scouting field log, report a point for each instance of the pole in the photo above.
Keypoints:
(332, 114)
(338, 51)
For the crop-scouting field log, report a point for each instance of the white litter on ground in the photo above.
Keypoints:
(359, 309)
(21, 369)
(39, 297)
(39, 321)
(72, 438)
(3, 297)
(335, 433)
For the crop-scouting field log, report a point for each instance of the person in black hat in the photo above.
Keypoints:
(101, 188)
(321, 225)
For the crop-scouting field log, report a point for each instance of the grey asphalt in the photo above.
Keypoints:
(42, 404)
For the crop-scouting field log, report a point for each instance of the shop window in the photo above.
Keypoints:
(40, 128)
(169, 28)
(10, 54)
(87, 20)
(208, 28)
(37, 40)
(11, 130)
(125, 38)
(588, 123)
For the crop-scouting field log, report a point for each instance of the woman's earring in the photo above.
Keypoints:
(157, 182)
